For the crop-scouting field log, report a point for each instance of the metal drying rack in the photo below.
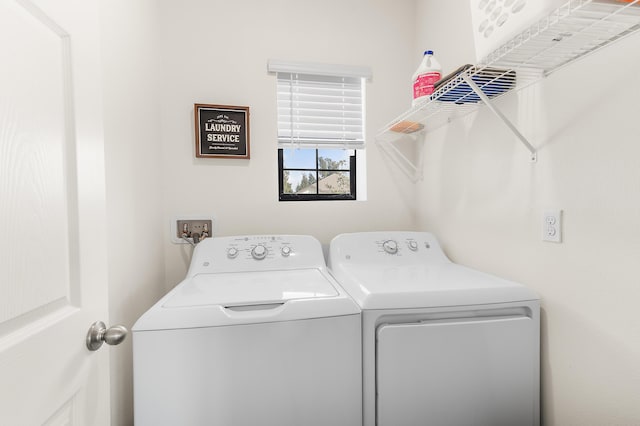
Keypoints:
(576, 29)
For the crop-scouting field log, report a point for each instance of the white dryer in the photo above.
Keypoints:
(258, 333)
(443, 345)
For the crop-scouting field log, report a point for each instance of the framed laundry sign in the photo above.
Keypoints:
(221, 131)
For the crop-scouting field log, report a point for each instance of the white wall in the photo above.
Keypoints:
(133, 176)
(216, 52)
(483, 198)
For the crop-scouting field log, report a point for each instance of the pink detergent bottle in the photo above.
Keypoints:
(425, 77)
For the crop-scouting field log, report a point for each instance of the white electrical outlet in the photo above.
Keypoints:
(185, 229)
(552, 226)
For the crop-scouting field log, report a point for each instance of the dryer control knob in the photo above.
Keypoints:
(390, 246)
(232, 252)
(413, 245)
(259, 252)
(285, 251)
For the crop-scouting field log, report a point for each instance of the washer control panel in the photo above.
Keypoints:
(260, 248)
(256, 252)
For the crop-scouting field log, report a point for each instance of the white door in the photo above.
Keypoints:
(52, 214)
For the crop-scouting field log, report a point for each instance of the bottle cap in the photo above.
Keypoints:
(428, 52)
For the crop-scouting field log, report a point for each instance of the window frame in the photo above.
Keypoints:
(306, 136)
(282, 196)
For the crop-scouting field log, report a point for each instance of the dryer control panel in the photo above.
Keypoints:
(393, 248)
(395, 245)
(256, 253)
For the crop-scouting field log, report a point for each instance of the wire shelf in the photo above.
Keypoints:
(570, 32)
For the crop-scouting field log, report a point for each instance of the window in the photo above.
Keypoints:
(320, 130)
(317, 174)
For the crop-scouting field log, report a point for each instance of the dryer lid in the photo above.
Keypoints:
(426, 286)
(251, 288)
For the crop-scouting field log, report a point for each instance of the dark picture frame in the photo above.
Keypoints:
(222, 131)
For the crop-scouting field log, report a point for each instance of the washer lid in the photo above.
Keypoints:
(251, 288)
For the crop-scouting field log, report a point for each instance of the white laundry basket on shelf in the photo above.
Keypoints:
(496, 21)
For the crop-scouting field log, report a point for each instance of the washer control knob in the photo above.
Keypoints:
(390, 246)
(232, 252)
(259, 252)
(285, 251)
(413, 245)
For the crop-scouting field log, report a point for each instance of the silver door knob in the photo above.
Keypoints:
(99, 333)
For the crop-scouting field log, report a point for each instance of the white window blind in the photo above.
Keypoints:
(320, 110)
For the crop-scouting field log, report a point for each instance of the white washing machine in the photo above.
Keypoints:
(443, 345)
(258, 333)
